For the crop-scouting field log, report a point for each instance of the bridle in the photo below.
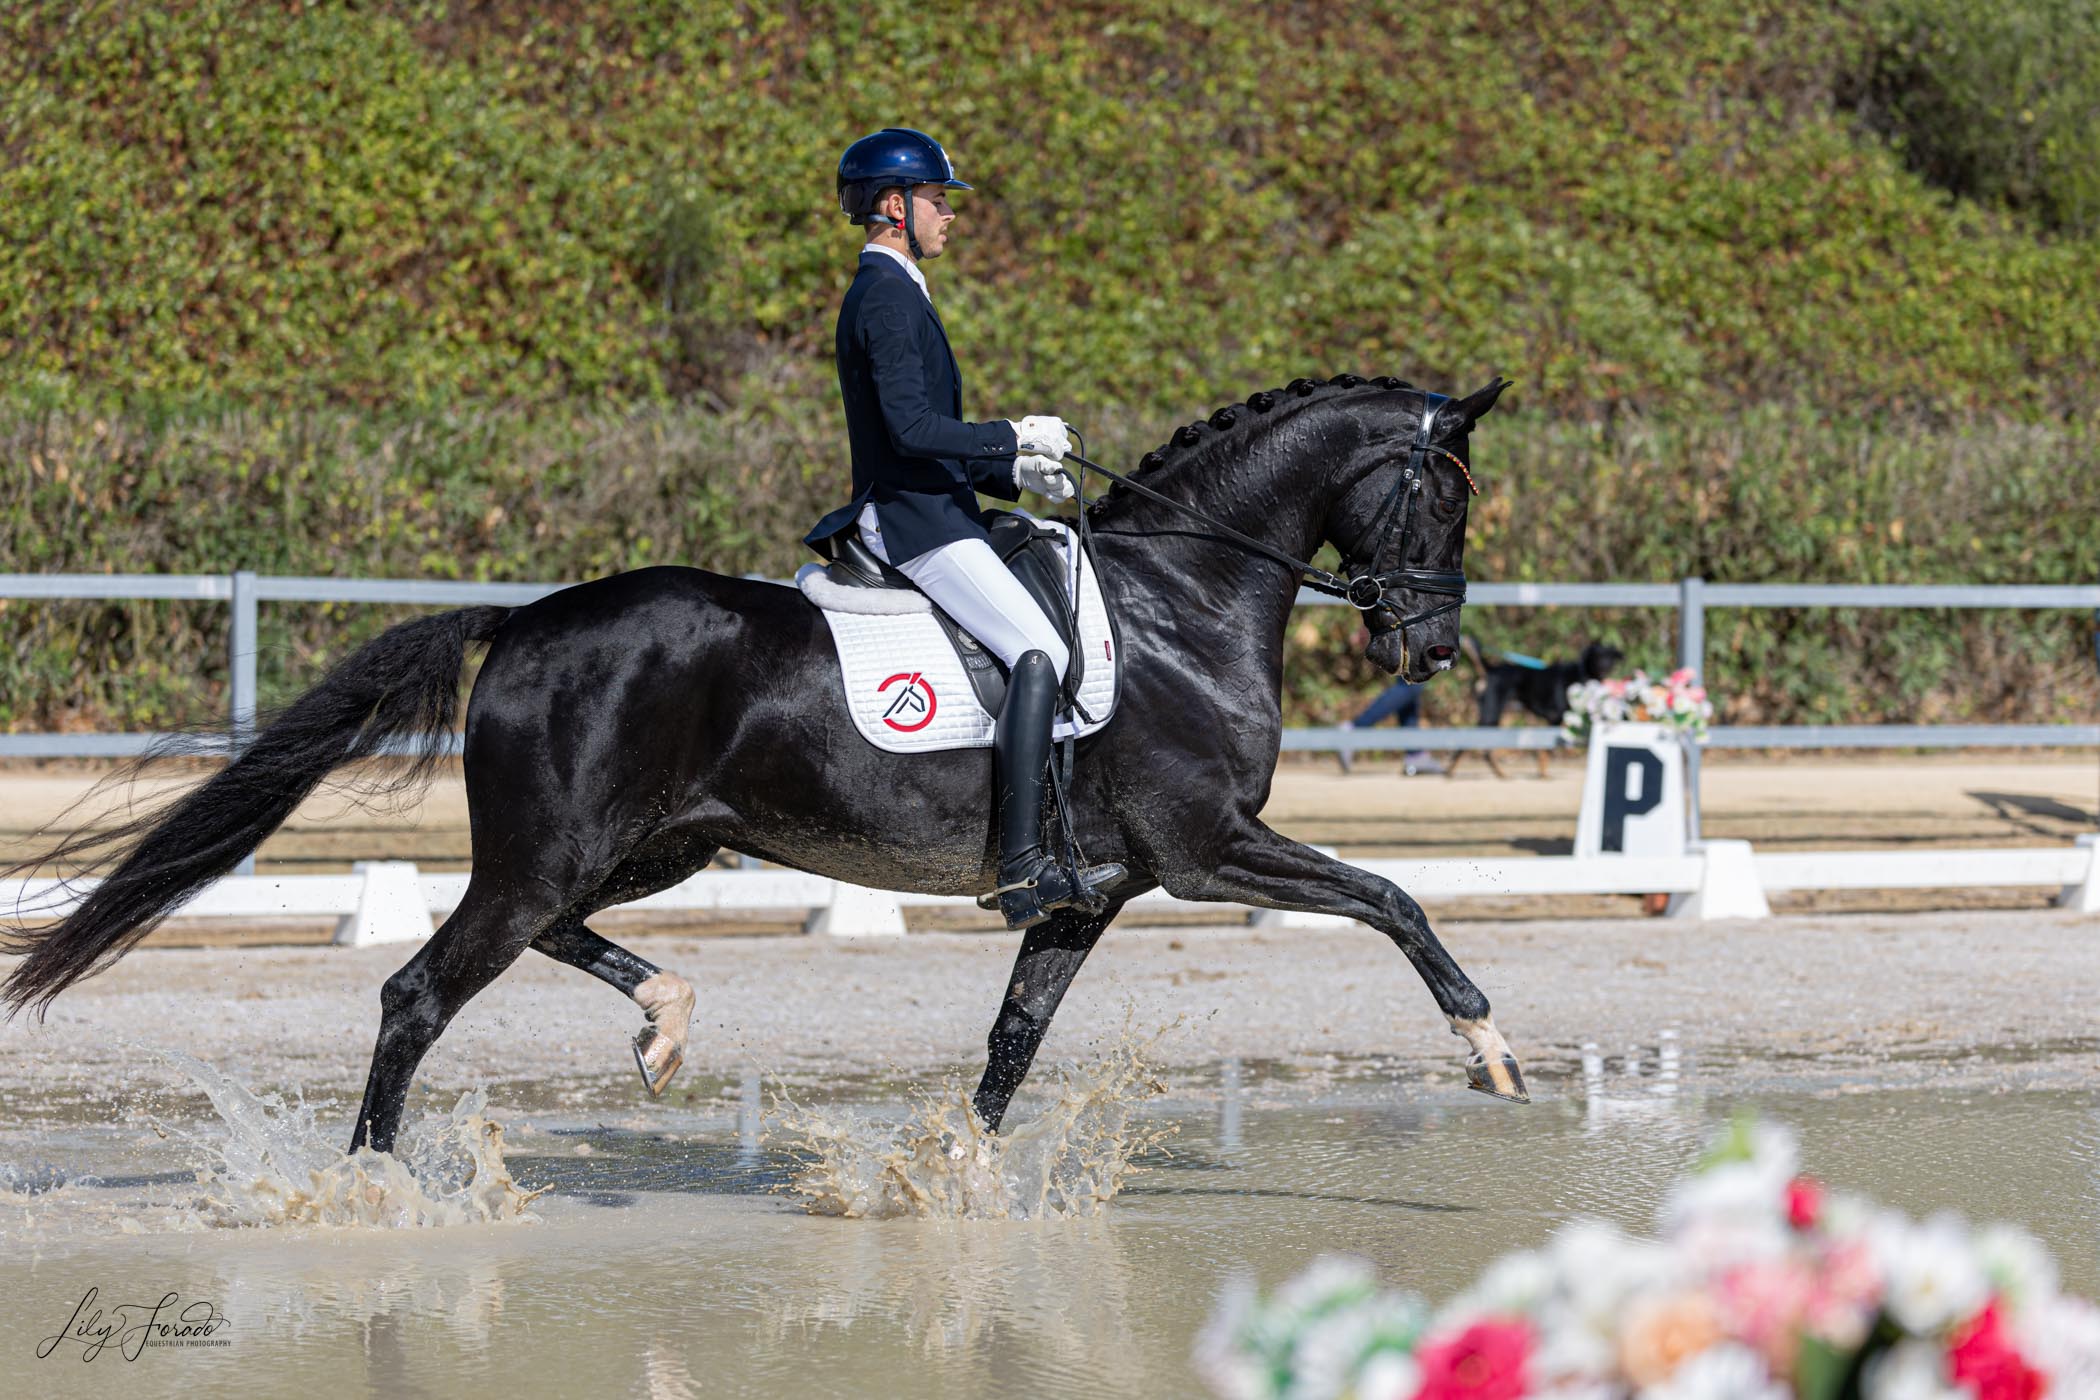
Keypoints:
(1360, 583)
(1365, 587)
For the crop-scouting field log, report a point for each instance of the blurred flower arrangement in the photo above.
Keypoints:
(1677, 702)
(1763, 1286)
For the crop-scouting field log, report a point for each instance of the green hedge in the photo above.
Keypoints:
(1623, 206)
(1995, 103)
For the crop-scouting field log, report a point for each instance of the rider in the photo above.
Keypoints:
(915, 465)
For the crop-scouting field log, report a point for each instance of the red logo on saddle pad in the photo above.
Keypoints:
(913, 708)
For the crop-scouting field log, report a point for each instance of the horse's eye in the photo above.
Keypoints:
(1447, 507)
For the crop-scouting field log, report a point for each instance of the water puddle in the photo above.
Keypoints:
(675, 1251)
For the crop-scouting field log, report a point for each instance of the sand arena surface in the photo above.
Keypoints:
(1983, 998)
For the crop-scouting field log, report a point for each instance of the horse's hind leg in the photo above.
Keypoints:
(658, 863)
(1050, 956)
(665, 997)
(484, 936)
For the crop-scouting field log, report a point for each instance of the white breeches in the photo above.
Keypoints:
(970, 584)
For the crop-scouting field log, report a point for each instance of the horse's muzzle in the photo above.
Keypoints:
(1388, 651)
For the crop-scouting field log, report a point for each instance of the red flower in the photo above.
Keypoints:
(1484, 1362)
(1804, 1203)
(1985, 1361)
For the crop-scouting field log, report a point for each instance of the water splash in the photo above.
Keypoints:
(943, 1163)
(37, 1178)
(274, 1167)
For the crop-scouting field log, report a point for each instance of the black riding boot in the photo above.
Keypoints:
(1032, 885)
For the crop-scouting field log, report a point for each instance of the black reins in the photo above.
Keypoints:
(1361, 583)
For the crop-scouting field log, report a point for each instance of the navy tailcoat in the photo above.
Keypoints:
(913, 456)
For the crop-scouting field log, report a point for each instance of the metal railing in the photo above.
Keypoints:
(1691, 597)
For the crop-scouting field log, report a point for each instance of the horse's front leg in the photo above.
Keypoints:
(1257, 866)
(1050, 957)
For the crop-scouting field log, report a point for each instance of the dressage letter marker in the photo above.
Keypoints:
(1633, 794)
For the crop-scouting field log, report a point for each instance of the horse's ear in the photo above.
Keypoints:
(1475, 405)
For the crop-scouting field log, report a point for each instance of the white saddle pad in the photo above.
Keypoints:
(906, 688)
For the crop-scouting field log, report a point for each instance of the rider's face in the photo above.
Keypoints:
(930, 216)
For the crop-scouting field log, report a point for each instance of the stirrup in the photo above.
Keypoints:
(1047, 889)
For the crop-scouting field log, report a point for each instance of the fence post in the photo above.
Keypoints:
(856, 911)
(1691, 655)
(243, 677)
(390, 906)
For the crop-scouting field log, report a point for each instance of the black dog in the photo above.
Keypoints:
(1543, 690)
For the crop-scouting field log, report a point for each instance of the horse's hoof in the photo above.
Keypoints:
(1498, 1078)
(658, 1057)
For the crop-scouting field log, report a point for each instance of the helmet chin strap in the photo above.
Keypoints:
(911, 237)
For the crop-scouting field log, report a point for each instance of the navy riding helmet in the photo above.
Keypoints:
(896, 157)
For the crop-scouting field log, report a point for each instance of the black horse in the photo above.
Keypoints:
(625, 730)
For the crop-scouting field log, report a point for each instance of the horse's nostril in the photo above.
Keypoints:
(1440, 653)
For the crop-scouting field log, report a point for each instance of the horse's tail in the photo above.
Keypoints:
(401, 686)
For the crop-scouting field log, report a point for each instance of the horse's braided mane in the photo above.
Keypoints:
(1192, 436)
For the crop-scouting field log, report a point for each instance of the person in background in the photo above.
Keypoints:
(1402, 701)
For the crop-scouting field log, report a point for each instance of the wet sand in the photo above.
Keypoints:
(1838, 1002)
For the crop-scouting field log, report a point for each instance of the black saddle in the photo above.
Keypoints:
(1028, 548)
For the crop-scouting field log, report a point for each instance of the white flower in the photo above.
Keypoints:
(1729, 1371)
(1933, 1278)
(2061, 1337)
(1733, 1191)
(2017, 1265)
(1846, 1216)
(1910, 1370)
(1735, 1211)
(1326, 1353)
(1388, 1375)
(1601, 1270)
(1516, 1284)
(1222, 1354)
(1333, 1280)
(1570, 1345)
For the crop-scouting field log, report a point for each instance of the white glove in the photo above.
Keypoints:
(1043, 476)
(1043, 435)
